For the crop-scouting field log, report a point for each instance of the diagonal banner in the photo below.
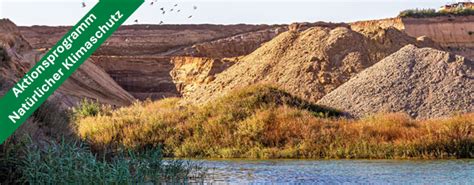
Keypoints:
(61, 61)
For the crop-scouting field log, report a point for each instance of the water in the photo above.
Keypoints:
(340, 171)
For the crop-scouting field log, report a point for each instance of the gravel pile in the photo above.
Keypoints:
(422, 82)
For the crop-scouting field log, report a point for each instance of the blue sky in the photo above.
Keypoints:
(68, 12)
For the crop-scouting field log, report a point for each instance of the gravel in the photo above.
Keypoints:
(422, 82)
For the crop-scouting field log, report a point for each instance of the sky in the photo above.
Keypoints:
(69, 12)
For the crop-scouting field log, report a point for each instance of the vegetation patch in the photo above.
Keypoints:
(426, 13)
(52, 155)
(264, 122)
(74, 163)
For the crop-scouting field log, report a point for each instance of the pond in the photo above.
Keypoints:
(340, 171)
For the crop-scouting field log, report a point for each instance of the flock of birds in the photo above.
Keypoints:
(162, 9)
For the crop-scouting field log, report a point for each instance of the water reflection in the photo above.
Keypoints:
(340, 171)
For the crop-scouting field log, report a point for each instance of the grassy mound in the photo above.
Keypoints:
(263, 122)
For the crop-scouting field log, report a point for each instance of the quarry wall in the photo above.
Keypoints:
(447, 31)
(452, 32)
(143, 77)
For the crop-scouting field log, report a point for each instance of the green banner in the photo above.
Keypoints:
(61, 61)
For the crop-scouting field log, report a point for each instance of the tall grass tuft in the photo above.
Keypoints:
(73, 163)
(87, 108)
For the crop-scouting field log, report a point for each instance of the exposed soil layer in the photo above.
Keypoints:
(190, 72)
(158, 77)
(139, 40)
(454, 34)
(143, 77)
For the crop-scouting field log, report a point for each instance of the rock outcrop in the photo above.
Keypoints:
(422, 82)
(308, 64)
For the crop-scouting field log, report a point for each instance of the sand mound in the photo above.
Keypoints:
(309, 63)
(425, 83)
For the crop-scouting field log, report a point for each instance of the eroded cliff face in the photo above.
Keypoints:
(158, 77)
(92, 82)
(447, 31)
(138, 57)
(233, 46)
(136, 40)
(455, 34)
(143, 77)
(190, 72)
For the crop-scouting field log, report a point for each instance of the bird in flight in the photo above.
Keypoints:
(190, 17)
(136, 20)
(84, 4)
(195, 7)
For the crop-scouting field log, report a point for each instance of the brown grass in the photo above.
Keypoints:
(262, 122)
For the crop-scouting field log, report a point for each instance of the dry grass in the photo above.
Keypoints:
(262, 122)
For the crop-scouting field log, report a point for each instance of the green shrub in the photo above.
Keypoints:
(87, 108)
(72, 163)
